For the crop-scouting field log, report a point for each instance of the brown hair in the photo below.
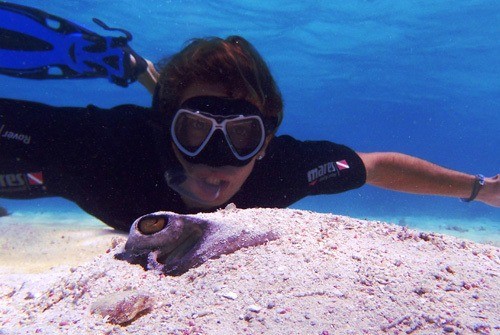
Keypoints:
(232, 62)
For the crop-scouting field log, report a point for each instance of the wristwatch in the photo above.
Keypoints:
(478, 184)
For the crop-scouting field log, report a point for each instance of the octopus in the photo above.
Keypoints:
(172, 243)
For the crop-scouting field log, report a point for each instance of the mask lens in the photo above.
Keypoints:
(191, 130)
(245, 135)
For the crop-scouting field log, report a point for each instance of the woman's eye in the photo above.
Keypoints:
(240, 131)
(198, 125)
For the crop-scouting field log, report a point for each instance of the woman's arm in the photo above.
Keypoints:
(405, 173)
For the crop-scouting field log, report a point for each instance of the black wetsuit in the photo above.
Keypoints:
(108, 162)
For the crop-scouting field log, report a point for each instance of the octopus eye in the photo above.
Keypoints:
(149, 226)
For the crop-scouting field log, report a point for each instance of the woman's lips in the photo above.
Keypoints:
(213, 181)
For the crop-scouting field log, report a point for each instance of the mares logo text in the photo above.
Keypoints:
(321, 173)
(326, 171)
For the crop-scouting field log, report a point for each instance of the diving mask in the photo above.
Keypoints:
(219, 131)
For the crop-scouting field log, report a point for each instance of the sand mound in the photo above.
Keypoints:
(327, 274)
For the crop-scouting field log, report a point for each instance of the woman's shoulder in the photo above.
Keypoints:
(288, 143)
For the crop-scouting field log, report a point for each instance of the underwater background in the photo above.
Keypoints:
(418, 77)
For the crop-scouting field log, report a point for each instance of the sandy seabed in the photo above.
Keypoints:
(326, 274)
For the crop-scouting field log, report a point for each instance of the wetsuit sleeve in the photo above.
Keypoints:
(33, 143)
(293, 169)
(58, 151)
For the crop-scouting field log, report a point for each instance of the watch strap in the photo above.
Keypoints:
(476, 187)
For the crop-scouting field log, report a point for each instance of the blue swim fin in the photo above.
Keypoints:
(38, 45)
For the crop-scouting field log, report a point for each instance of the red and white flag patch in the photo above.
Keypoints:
(35, 178)
(342, 165)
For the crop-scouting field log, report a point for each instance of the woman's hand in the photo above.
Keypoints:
(490, 192)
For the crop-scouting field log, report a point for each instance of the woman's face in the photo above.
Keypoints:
(212, 186)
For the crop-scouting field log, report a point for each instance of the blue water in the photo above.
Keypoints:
(421, 78)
